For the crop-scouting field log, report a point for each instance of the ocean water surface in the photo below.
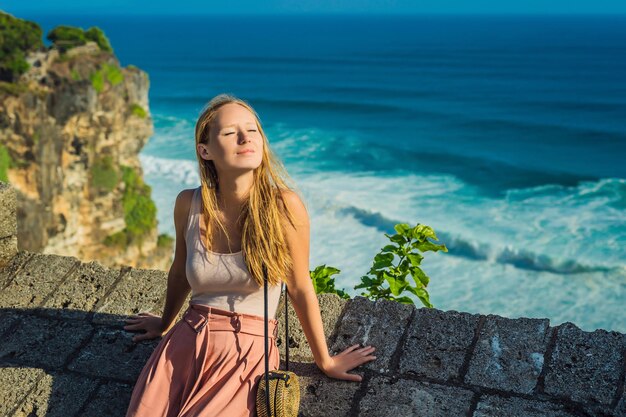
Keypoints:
(506, 134)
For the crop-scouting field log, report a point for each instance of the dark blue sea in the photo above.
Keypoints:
(506, 134)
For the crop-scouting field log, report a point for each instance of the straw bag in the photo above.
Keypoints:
(282, 399)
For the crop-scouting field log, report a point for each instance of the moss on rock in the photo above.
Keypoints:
(138, 111)
(104, 176)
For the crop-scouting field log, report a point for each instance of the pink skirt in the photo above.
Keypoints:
(207, 365)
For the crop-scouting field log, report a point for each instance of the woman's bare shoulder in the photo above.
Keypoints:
(182, 205)
(295, 205)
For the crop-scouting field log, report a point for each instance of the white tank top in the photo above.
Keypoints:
(222, 280)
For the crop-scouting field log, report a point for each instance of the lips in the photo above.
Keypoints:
(245, 151)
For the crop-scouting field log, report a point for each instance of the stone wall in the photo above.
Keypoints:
(64, 351)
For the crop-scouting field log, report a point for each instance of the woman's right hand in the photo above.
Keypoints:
(151, 323)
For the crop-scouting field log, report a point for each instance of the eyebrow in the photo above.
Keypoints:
(235, 124)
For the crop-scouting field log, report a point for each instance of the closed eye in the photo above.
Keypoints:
(230, 133)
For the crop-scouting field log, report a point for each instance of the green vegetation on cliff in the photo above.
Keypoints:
(139, 210)
(165, 241)
(17, 38)
(66, 37)
(138, 111)
(104, 176)
(5, 163)
(108, 72)
(12, 88)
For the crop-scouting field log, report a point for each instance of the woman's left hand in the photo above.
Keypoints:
(339, 365)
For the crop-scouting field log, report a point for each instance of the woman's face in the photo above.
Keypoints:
(233, 131)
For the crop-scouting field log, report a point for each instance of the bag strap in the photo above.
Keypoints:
(267, 384)
(267, 381)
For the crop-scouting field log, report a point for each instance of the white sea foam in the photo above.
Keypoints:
(181, 171)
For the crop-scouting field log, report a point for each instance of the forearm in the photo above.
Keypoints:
(307, 309)
(177, 290)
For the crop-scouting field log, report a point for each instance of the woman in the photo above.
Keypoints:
(242, 216)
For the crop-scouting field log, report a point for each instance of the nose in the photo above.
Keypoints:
(244, 138)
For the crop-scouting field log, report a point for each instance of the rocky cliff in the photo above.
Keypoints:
(64, 351)
(71, 128)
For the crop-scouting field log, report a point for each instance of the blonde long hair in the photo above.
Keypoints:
(263, 212)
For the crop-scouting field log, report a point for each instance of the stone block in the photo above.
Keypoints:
(496, 406)
(112, 354)
(57, 395)
(8, 251)
(16, 384)
(437, 343)
(509, 354)
(16, 263)
(620, 410)
(321, 395)
(331, 307)
(38, 278)
(78, 295)
(43, 342)
(8, 317)
(387, 397)
(585, 366)
(139, 290)
(111, 400)
(378, 323)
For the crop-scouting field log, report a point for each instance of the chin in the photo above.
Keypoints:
(247, 167)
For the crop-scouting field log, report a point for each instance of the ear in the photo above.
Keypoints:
(204, 152)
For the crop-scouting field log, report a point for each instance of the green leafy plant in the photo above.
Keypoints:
(323, 283)
(406, 242)
(386, 279)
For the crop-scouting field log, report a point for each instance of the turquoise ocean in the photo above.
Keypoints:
(506, 134)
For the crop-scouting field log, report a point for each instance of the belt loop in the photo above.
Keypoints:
(195, 319)
(199, 329)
